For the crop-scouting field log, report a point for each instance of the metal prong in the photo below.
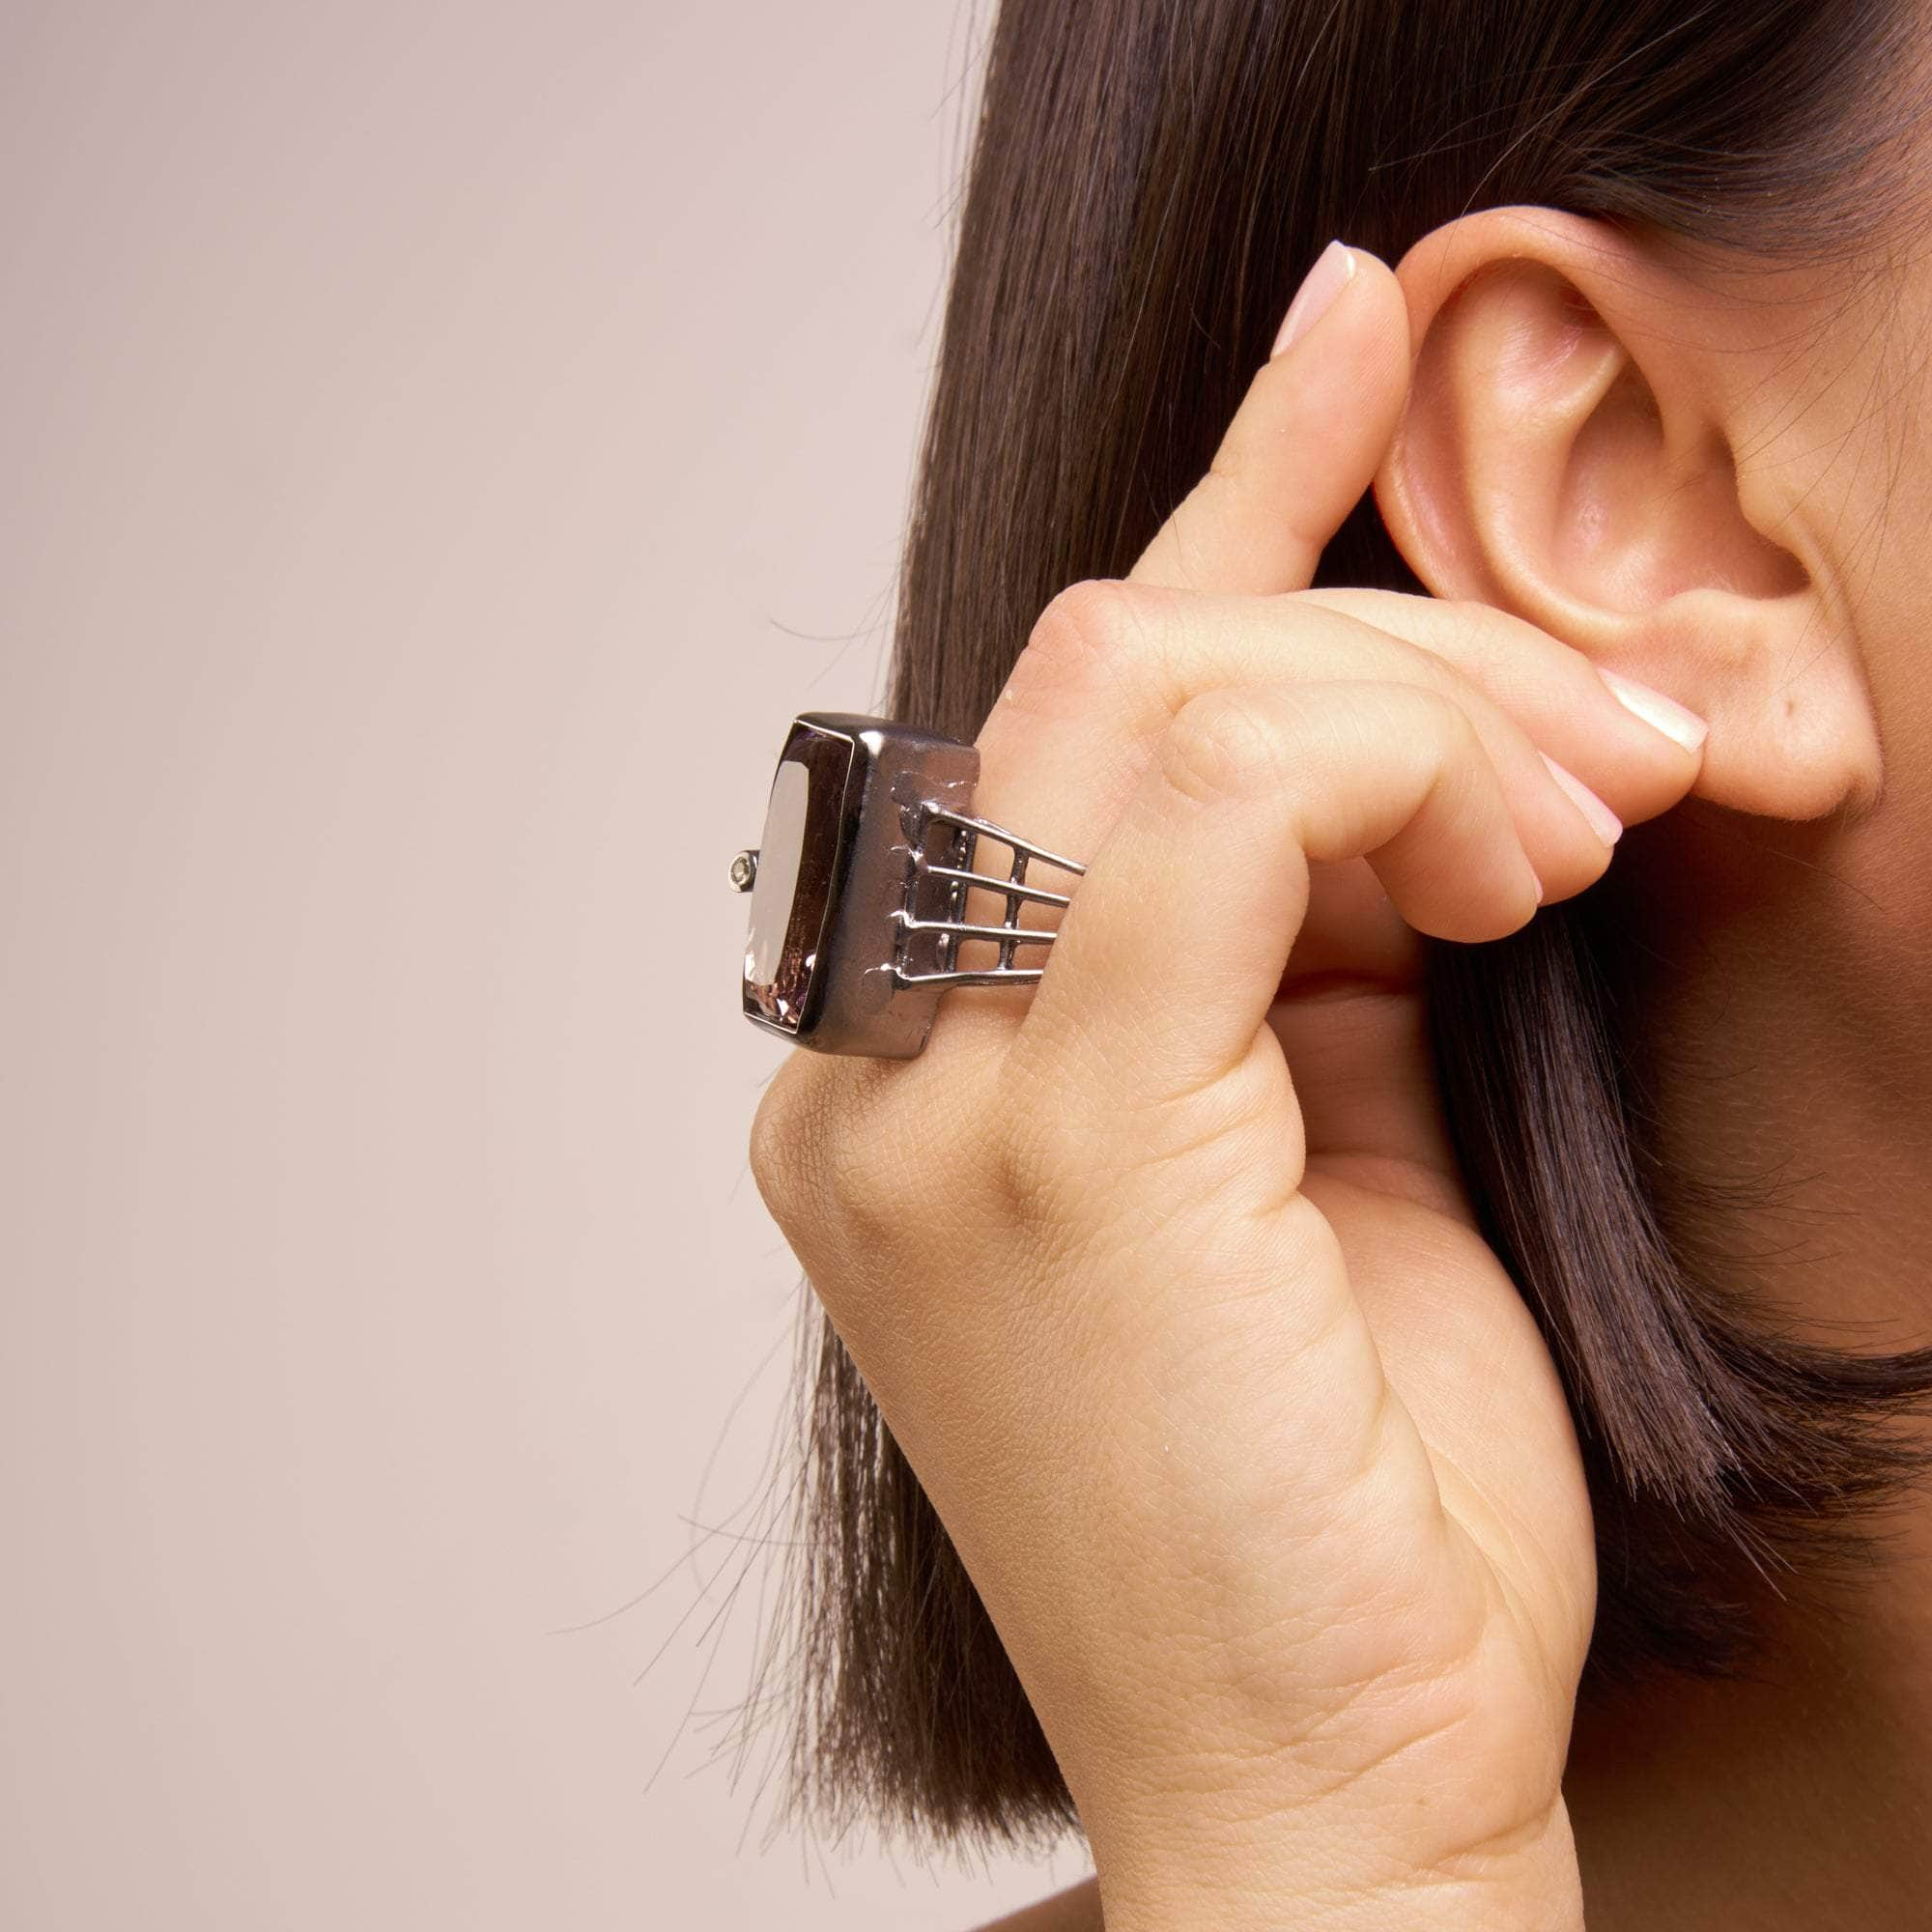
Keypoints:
(1006, 887)
(993, 976)
(960, 930)
(940, 815)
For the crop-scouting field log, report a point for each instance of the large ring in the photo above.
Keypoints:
(861, 888)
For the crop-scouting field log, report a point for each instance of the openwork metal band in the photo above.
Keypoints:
(959, 880)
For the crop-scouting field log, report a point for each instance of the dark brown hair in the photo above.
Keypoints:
(1148, 182)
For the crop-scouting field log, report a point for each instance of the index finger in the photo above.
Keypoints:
(1303, 446)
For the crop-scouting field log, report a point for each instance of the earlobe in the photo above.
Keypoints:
(1566, 454)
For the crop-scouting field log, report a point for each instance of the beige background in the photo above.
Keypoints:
(443, 445)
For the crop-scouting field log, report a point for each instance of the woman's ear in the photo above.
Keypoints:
(1570, 453)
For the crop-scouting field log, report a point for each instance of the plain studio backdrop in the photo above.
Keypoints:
(443, 445)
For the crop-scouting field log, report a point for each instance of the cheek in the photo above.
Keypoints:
(1886, 515)
(1871, 510)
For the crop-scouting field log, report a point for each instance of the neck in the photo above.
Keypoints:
(1797, 1798)
(1788, 1063)
(1783, 1044)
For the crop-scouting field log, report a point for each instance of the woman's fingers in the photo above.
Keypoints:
(1510, 658)
(1302, 447)
(1110, 665)
(1168, 959)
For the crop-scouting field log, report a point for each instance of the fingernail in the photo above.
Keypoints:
(1604, 822)
(1333, 271)
(1680, 726)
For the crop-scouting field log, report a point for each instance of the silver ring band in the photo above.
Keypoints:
(862, 888)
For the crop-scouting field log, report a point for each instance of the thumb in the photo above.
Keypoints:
(1303, 445)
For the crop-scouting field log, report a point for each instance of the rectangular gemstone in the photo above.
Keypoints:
(797, 863)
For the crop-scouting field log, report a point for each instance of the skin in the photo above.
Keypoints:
(1246, 1439)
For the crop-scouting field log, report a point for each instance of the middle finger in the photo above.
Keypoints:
(1109, 665)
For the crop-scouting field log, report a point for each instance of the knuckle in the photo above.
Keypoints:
(1442, 710)
(1439, 722)
(837, 1151)
(785, 1141)
(815, 1139)
(1088, 634)
(1464, 740)
(1223, 745)
(878, 1147)
(1463, 781)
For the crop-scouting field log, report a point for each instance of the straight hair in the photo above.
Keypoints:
(1148, 181)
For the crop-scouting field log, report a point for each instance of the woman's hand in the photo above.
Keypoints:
(1166, 1281)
